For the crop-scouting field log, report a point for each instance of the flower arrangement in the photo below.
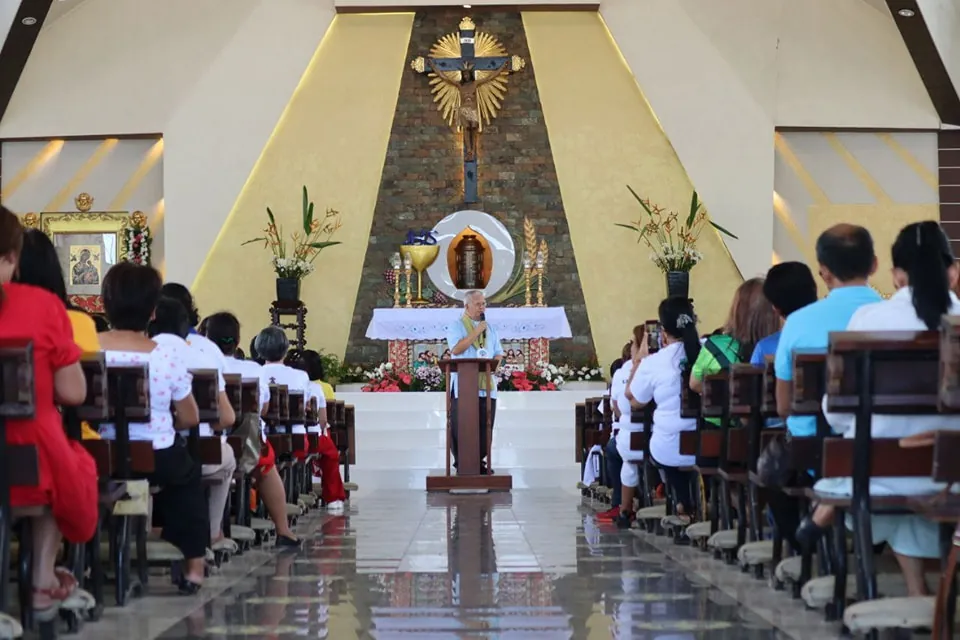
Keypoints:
(308, 242)
(137, 239)
(429, 377)
(672, 240)
(532, 380)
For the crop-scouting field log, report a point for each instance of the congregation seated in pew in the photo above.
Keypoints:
(273, 345)
(130, 296)
(924, 273)
(67, 474)
(223, 329)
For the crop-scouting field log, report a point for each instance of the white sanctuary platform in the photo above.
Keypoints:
(400, 438)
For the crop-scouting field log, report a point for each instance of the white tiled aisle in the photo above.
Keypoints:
(400, 438)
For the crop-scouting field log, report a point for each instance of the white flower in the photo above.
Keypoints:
(388, 366)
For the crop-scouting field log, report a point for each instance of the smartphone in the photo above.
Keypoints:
(652, 328)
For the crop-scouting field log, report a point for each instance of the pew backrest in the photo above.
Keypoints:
(809, 382)
(96, 406)
(746, 387)
(18, 399)
(713, 398)
(135, 397)
(234, 390)
(905, 371)
(250, 401)
(206, 391)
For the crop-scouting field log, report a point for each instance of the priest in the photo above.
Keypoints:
(472, 337)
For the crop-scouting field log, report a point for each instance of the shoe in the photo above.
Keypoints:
(336, 506)
(625, 520)
(809, 533)
(608, 516)
(188, 587)
(288, 543)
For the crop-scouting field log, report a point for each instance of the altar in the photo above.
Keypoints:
(418, 335)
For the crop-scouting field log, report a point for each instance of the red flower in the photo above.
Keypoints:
(548, 387)
(405, 378)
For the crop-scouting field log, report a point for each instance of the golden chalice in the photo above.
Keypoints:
(421, 257)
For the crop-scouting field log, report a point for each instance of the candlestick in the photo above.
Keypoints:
(541, 259)
(407, 268)
(526, 278)
(395, 264)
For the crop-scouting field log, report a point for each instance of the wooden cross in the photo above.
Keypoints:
(468, 88)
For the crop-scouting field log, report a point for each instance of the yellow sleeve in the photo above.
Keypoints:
(84, 331)
(327, 391)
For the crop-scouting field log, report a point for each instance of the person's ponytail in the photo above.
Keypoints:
(679, 321)
(923, 252)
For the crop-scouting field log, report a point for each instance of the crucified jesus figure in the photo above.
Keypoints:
(468, 114)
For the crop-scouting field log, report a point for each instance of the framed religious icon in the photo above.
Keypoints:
(88, 244)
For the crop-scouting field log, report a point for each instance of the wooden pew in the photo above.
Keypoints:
(890, 372)
(19, 463)
(125, 399)
(206, 391)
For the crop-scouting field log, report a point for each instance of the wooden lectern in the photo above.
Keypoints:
(468, 372)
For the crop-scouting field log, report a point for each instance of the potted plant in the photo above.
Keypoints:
(672, 241)
(294, 265)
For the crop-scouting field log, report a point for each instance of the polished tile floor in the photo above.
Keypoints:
(531, 564)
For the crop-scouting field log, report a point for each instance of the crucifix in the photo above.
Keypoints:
(468, 75)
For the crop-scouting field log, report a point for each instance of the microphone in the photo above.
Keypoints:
(483, 317)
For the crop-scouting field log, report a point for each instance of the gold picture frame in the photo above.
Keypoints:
(88, 244)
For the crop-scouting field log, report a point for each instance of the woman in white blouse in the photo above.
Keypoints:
(658, 379)
(924, 274)
(130, 295)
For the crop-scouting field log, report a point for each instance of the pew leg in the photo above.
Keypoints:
(96, 568)
(756, 521)
(25, 572)
(725, 505)
(143, 565)
(742, 519)
(6, 528)
(866, 572)
(836, 608)
(715, 505)
(121, 559)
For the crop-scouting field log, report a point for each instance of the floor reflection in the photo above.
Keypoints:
(533, 564)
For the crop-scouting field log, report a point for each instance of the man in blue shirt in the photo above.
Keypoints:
(788, 286)
(847, 260)
(471, 337)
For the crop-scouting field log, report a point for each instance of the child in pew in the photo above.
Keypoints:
(223, 329)
(659, 379)
(326, 467)
(924, 274)
(170, 325)
(130, 296)
(40, 266)
(67, 474)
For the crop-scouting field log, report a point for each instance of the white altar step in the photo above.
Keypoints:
(400, 438)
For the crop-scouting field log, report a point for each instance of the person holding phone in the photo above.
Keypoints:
(472, 337)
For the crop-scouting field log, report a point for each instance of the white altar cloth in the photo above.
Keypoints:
(511, 323)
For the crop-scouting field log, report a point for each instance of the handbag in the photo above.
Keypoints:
(249, 433)
(773, 466)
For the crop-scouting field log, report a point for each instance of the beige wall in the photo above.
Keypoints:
(214, 82)
(121, 175)
(943, 20)
(604, 136)
(333, 138)
(882, 181)
(720, 76)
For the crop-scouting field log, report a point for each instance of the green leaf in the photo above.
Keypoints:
(640, 200)
(323, 245)
(270, 216)
(307, 211)
(722, 230)
(627, 226)
(694, 208)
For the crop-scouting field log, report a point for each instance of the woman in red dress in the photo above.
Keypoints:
(68, 476)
